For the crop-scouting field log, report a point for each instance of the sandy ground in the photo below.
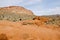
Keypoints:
(19, 31)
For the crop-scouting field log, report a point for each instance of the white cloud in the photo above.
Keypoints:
(57, 9)
(30, 2)
(9, 2)
(36, 9)
(18, 2)
(50, 11)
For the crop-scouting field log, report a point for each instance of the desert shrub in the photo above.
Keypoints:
(15, 17)
(53, 19)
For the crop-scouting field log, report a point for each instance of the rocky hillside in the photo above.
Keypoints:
(15, 13)
(18, 23)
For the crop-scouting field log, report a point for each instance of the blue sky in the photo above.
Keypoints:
(39, 7)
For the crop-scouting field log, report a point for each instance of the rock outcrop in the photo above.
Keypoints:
(52, 19)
